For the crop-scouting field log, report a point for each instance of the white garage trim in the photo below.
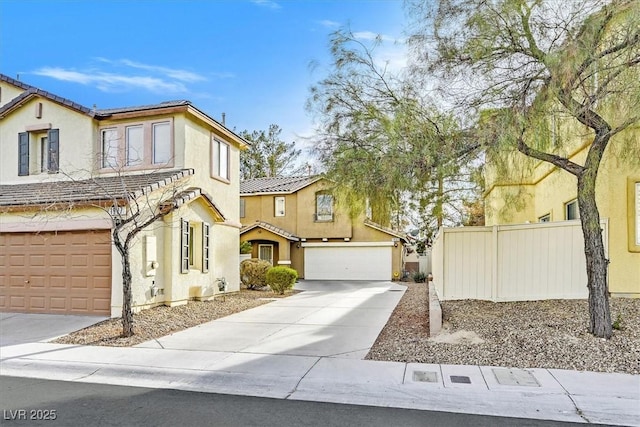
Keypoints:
(346, 244)
(362, 261)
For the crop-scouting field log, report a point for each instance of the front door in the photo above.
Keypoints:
(265, 252)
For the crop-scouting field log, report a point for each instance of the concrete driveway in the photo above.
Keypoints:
(21, 328)
(328, 319)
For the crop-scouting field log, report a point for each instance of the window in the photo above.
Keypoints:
(279, 206)
(109, 148)
(265, 252)
(571, 210)
(192, 232)
(46, 151)
(137, 146)
(206, 244)
(43, 154)
(545, 218)
(184, 245)
(220, 159)
(324, 207)
(161, 143)
(242, 208)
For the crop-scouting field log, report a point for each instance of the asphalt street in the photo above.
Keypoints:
(28, 401)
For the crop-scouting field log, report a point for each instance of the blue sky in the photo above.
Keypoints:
(249, 59)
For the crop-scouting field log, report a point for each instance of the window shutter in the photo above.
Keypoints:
(184, 246)
(23, 154)
(205, 247)
(53, 137)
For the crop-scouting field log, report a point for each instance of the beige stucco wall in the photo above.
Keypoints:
(300, 208)
(551, 188)
(8, 92)
(77, 132)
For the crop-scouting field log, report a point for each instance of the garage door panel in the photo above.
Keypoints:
(56, 273)
(348, 263)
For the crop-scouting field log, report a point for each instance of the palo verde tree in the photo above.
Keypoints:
(384, 143)
(268, 155)
(525, 58)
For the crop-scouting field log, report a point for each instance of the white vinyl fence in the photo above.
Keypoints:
(512, 262)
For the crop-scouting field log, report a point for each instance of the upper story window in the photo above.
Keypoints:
(545, 218)
(571, 210)
(242, 208)
(220, 159)
(137, 146)
(324, 207)
(279, 206)
(38, 151)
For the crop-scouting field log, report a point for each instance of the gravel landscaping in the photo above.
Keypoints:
(533, 334)
(538, 334)
(160, 321)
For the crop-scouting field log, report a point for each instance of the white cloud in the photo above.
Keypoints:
(109, 82)
(266, 3)
(369, 35)
(174, 73)
(329, 24)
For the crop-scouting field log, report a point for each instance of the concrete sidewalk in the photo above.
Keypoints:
(532, 393)
(310, 347)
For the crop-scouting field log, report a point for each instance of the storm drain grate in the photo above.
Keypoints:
(460, 379)
(425, 376)
(516, 377)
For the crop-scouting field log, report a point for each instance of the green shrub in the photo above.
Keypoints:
(419, 277)
(253, 273)
(245, 247)
(618, 324)
(281, 279)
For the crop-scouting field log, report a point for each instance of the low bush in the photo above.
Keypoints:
(419, 277)
(281, 279)
(245, 247)
(253, 273)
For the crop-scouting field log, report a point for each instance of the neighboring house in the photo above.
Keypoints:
(544, 193)
(67, 170)
(296, 222)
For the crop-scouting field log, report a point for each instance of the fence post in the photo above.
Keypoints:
(494, 263)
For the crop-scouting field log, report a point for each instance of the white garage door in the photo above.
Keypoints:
(347, 263)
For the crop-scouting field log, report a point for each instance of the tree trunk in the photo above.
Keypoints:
(440, 201)
(127, 314)
(599, 311)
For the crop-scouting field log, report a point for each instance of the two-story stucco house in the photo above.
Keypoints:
(68, 174)
(295, 221)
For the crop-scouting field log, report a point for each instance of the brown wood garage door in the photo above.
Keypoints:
(64, 272)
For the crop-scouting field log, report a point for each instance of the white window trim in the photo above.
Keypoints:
(121, 146)
(545, 218)
(279, 211)
(566, 209)
(260, 246)
(217, 160)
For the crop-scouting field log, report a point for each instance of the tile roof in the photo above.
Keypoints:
(88, 190)
(270, 227)
(104, 112)
(30, 91)
(284, 185)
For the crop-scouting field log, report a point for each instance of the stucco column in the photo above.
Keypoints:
(284, 253)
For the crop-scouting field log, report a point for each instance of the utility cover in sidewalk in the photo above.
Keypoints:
(460, 379)
(515, 377)
(425, 376)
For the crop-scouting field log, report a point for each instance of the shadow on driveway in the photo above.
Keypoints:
(21, 328)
